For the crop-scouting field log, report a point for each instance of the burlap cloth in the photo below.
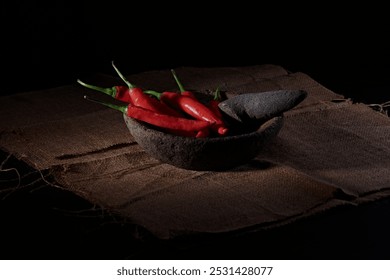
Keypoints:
(327, 154)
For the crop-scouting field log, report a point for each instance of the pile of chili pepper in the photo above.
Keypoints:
(177, 113)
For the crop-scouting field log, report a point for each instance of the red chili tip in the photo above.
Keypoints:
(203, 133)
(223, 130)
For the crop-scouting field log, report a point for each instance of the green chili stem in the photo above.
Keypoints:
(154, 93)
(122, 77)
(108, 91)
(217, 94)
(123, 109)
(177, 81)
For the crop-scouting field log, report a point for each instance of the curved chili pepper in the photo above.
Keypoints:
(221, 129)
(177, 125)
(120, 93)
(140, 99)
(213, 104)
(192, 107)
(181, 88)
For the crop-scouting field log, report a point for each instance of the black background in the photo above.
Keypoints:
(54, 43)
(48, 44)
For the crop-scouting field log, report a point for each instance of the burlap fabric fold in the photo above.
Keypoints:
(327, 154)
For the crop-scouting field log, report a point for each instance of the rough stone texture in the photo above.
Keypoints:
(256, 108)
(214, 153)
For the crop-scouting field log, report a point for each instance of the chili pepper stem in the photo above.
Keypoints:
(217, 95)
(154, 93)
(130, 85)
(109, 91)
(110, 105)
(177, 81)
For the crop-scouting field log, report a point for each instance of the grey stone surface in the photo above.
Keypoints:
(214, 153)
(256, 108)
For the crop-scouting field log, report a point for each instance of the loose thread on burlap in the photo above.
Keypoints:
(383, 108)
(84, 213)
(42, 177)
(95, 211)
(2, 169)
(6, 191)
(11, 190)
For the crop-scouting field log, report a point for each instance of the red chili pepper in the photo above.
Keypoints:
(120, 93)
(180, 126)
(192, 107)
(140, 99)
(221, 129)
(213, 104)
(182, 90)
